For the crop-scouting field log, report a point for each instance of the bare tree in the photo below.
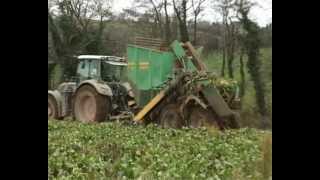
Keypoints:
(167, 22)
(225, 8)
(164, 27)
(221, 7)
(157, 9)
(197, 9)
(174, 28)
(73, 31)
(180, 8)
(252, 46)
(242, 73)
(154, 7)
(101, 10)
(231, 46)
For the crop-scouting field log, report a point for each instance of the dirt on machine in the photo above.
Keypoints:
(155, 83)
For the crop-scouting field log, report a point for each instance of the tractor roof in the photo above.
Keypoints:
(114, 60)
(96, 57)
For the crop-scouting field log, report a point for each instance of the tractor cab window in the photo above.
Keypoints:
(88, 69)
(83, 69)
(93, 69)
(112, 72)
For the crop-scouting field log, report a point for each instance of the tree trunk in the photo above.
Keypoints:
(159, 30)
(195, 31)
(157, 19)
(175, 29)
(184, 33)
(224, 49)
(223, 61)
(254, 70)
(167, 23)
(230, 60)
(252, 43)
(242, 75)
(230, 39)
(182, 18)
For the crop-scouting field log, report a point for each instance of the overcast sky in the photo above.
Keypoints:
(262, 14)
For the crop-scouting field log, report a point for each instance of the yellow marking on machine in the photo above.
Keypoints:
(149, 106)
(144, 65)
(131, 65)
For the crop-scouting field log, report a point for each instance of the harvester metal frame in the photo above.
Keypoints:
(184, 87)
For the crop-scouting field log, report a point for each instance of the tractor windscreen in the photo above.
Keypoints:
(112, 71)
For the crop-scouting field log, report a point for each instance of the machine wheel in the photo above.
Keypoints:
(233, 121)
(53, 112)
(169, 117)
(200, 117)
(90, 106)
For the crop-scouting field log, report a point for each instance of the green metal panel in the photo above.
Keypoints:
(181, 55)
(132, 64)
(148, 69)
(143, 69)
(190, 66)
(178, 50)
(216, 101)
(167, 61)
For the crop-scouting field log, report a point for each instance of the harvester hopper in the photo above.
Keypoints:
(175, 89)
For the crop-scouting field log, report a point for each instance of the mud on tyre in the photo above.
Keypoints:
(90, 106)
(53, 112)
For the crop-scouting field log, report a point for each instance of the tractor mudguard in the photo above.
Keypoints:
(101, 88)
(57, 96)
(128, 88)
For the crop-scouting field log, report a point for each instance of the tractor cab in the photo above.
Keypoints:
(105, 68)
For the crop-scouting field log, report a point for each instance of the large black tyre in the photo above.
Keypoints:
(200, 117)
(53, 112)
(234, 120)
(170, 118)
(90, 106)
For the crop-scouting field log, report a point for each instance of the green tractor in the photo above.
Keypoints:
(155, 83)
(99, 92)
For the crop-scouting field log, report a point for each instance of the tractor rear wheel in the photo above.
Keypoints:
(52, 108)
(200, 117)
(90, 106)
(169, 117)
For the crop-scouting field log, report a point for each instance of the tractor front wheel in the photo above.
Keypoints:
(90, 106)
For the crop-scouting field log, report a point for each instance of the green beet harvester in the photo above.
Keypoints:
(157, 83)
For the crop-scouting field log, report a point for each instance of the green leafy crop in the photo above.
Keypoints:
(117, 151)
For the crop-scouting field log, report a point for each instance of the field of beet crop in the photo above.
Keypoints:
(119, 151)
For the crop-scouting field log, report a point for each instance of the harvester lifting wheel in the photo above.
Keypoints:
(52, 108)
(169, 117)
(233, 121)
(200, 117)
(90, 106)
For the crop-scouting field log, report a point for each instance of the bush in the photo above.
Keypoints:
(56, 76)
(249, 112)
